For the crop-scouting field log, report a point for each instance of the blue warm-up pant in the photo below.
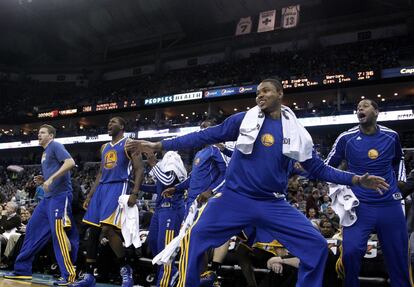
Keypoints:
(49, 220)
(228, 212)
(389, 222)
(165, 225)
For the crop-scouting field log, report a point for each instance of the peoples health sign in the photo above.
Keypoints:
(230, 91)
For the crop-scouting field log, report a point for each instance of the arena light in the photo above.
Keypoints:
(395, 94)
(362, 97)
(379, 95)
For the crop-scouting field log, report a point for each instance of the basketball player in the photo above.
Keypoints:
(253, 192)
(375, 149)
(169, 211)
(103, 213)
(53, 216)
(207, 174)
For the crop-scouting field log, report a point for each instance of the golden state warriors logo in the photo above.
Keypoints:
(268, 140)
(373, 154)
(110, 159)
(197, 161)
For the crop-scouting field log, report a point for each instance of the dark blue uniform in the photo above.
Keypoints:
(50, 218)
(166, 221)
(208, 170)
(379, 154)
(253, 195)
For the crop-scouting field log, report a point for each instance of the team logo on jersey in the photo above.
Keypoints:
(373, 153)
(43, 156)
(268, 140)
(110, 159)
(197, 161)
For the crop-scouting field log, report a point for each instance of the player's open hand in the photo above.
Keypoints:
(373, 182)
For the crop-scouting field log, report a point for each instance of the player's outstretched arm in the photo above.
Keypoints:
(144, 146)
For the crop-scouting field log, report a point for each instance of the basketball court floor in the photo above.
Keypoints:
(38, 280)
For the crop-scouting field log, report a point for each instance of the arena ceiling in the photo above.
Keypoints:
(45, 32)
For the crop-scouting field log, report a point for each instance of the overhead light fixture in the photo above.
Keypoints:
(395, 94)
(379, 95)
(362, 97)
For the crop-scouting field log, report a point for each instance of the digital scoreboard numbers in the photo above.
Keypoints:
(366, 75)
(329, 79)
(336, 79)
(106, 107)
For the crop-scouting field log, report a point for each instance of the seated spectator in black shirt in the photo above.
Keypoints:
(10, 221)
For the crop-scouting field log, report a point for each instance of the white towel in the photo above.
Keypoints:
(167, 255)
(344, 202)
(172, 162)
(129, 222)
(297, 142)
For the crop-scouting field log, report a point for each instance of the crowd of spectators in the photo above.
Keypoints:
(28, 95)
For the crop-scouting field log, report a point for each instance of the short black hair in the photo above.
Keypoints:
(275, 82)
(50, 129)
(372, 102)
(121, 120)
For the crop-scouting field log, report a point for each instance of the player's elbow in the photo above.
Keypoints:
(70, 163)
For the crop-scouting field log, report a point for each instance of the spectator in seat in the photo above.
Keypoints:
(9, 222)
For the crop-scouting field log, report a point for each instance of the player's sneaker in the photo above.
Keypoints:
(126, 274)
(61, 282)
(208, 279)
(15, 276)
(87, 280)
